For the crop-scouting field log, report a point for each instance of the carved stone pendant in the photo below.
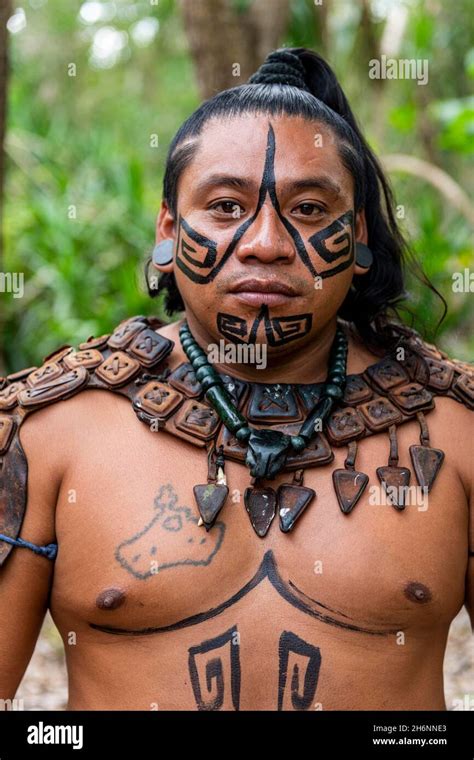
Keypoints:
(260, 504)
(292, 501)
(426, 463)
(210, 499)
(266, 453)
(349, 486)
(394, 480)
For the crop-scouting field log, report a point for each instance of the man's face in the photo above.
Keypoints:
(265, 231)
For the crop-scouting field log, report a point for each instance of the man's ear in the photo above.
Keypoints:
(165, 230)
(361, 236)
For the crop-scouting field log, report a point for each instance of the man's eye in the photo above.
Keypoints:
(231, 208)
(307, 209)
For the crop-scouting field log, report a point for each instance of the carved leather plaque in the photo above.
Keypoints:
(197, 419)
(309, 395)
(62, 387)
(464, 389)
(272, 403)
(344, 425)
(387, 374)
(412, 398)
(158, 399)
(118, 369)
(99, 342)
(149, 347)
(184, 380)
(90, 357)
(44, 374)
(20, 375)
(9, 395)
(357, 390)
(379, 414)
(125, 333)
(441, 374)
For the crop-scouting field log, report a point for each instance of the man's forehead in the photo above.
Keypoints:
(237, 148)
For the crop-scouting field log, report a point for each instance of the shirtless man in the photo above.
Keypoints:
(166, 601)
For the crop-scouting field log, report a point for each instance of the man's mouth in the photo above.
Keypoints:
(258, 292)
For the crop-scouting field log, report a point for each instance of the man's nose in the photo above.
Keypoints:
(266, 240)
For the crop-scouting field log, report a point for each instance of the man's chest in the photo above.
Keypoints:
(132, 554)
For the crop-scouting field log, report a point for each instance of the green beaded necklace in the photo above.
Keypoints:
(266, 449)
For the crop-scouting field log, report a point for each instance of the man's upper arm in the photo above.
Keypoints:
(25, 577)
(469, 599)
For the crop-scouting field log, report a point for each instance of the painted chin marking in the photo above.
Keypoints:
(277, 330)
(252, 298)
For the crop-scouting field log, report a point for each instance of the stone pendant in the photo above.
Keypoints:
(210, 499)
(426, 463)
(349, 486)
(260, 504)
(394, 480)
(292, 501)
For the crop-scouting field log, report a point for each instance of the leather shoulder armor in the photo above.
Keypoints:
(133, 361)
(112, 362)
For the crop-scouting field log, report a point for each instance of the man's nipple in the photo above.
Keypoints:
(110, 599)
(417, 592)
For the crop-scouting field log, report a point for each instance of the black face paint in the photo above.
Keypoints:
(199, 258)
(335, 242)
(278, 330)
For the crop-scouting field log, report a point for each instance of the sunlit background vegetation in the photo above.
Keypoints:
(84, 176)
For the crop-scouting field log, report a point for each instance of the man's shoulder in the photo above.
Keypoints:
(121, 361)
(427, 364)
(115, 357)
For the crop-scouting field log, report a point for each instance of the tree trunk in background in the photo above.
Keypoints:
(5, 13)
(220, 36)
(270, 20)
(321, 19)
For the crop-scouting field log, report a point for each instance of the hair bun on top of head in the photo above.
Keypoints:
(281, 67)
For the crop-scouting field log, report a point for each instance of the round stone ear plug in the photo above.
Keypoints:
(163, 252)
(363, 256)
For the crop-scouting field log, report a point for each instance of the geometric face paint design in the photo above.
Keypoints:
(278, 330)
(335, 242)
(199, 258)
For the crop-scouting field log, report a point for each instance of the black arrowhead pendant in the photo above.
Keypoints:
(210, 499)
(292, 501)
(426, 463)
(394, 480)
(349, 486)
(260, 504)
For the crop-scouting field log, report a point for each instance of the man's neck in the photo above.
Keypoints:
(308, 364)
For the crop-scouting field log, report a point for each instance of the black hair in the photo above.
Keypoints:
(299, 82)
